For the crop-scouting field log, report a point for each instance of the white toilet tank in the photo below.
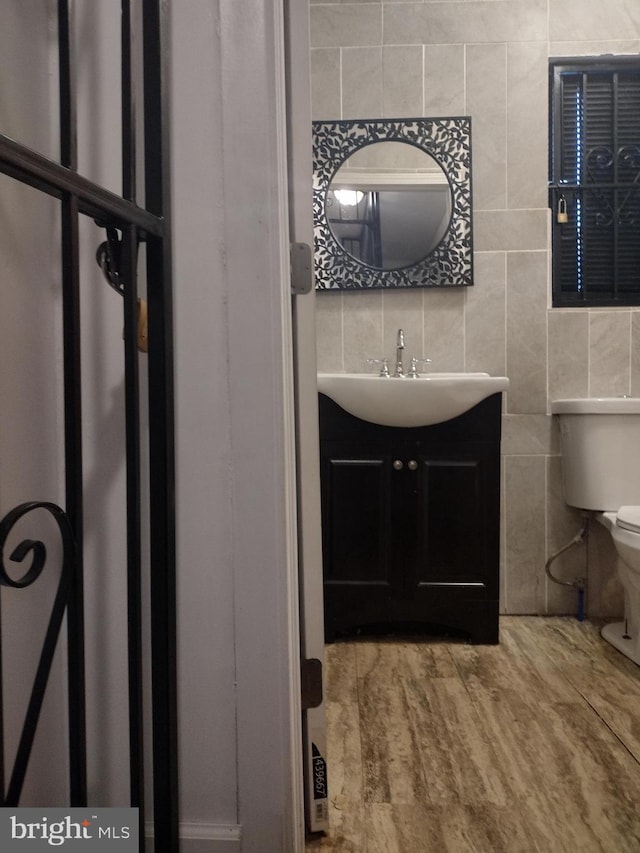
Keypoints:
(600, 442)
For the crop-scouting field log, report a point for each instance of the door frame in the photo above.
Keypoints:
(298, 87)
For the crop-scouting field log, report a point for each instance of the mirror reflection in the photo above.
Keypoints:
(389, 205)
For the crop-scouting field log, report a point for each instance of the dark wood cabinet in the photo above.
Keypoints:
(410, 522)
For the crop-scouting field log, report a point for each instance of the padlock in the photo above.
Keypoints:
(562, 216)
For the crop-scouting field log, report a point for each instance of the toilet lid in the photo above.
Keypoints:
(629, 518)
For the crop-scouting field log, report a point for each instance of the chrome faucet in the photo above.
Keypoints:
(399, 347)
(384, 365)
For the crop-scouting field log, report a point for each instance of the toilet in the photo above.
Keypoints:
(600, 443)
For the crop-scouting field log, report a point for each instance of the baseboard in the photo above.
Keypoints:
(202, 837)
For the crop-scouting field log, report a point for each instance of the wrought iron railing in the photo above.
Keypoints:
(127, 224)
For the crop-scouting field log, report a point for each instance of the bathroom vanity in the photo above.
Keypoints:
(410, 519)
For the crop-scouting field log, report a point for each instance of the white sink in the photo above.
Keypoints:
(428, 399)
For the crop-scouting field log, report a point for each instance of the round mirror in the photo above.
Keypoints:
(389, 205)
(406, 218)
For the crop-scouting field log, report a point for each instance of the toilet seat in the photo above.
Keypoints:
(628, 518)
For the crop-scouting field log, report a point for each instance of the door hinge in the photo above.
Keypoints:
(301, 259)
(311, 683)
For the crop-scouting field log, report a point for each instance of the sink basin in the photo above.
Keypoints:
(427, 399)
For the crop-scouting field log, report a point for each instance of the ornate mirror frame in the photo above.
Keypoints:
(448, 141)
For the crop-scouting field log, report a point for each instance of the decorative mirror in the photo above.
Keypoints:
(392, 203)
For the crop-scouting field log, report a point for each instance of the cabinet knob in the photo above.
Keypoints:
(413, 465)
(397, 464)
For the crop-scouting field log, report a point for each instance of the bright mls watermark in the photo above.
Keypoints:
(73, 829)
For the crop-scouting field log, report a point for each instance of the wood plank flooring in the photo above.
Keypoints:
(531, 745)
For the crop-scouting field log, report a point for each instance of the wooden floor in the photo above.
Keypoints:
(532, 745)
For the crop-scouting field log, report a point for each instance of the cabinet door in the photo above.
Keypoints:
(363, 542)
(457, 496)
(356, 511)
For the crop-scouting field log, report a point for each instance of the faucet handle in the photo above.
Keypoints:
(384, 365)
(413, 371)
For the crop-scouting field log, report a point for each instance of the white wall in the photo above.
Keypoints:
(236, 566)
(204, 465)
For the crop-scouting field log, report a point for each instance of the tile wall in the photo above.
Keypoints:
(488, 59)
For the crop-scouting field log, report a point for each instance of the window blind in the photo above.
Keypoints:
(594, 180)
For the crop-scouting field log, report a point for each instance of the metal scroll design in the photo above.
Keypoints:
(38, 553)
(448, 141)
(613, 184)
